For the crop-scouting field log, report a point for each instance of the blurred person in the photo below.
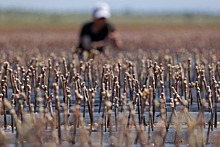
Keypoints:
(99, 33)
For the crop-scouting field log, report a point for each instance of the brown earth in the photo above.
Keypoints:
(44, 40)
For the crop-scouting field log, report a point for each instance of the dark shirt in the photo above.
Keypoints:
(98, 36)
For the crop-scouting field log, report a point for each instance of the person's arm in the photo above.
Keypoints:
(115, 39)
(85, 39)
(88, 44)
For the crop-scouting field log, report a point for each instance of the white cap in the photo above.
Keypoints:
(101, 10)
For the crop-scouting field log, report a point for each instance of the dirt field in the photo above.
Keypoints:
(45, 40)
(145, 37)
(56, 33)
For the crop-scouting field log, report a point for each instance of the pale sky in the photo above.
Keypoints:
(211, 6)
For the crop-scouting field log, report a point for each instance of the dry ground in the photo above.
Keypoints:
(57, 39)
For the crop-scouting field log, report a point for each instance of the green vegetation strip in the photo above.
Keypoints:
(21, 19)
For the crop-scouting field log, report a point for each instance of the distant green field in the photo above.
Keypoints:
(24, 19)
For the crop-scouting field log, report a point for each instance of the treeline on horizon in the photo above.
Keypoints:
(123, 12)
